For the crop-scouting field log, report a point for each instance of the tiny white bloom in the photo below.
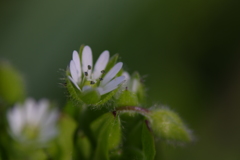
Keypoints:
(131, 83)
(32, 122)
(85, 77)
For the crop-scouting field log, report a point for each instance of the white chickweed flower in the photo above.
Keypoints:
(85, 77)
(32, 122)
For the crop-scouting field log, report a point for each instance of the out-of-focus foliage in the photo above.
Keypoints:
(12, 87)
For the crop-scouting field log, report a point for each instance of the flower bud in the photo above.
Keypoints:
(127, 98)
(107, 132)
(133, 91)
(168, 125)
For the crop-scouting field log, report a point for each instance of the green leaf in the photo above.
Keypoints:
(107, 132)
(127, 98)
(148, 145)
(11, 84)
(98, 124)
(82, 147)
(168, 125)
(115, 134)
(134, 136)
(131, 153)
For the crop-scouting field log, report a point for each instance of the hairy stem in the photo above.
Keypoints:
(136, 109)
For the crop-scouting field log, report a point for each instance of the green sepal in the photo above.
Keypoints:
(148, 145)
(168, 125)
(107, 132)
(127, 98)
(105, 99)
(90, 97)
(80, 50)
(112, 62)
(72, 90)
(120, 73)
(11, 84)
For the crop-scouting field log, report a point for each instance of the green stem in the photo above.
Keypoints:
(136, 109)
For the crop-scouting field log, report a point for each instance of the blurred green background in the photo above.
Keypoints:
(189, 51)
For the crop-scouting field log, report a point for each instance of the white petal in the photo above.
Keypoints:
(85, 88)
(135, 85)
(16, 119)
(41, 110)
(111, 85)
(48, 124)
(112, 73)
(48, 133)
(76, 60)
(74, 83)
(126, 75)
(100, 64)
(127, 79)
(30, 111)
(87, 59)
(100, 90)
(115, 82)
(50, 119)
(74, 72)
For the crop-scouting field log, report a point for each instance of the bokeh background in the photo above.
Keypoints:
(189, 51)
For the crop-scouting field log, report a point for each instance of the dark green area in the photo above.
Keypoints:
(189, 51)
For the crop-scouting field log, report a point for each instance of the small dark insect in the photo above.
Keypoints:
(92, 82)
(103, 71)
(86, 73)
(100, 79)
(89, 67)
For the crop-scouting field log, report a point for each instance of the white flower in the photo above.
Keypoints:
(85, 78)
(32, 122)
(131, 83)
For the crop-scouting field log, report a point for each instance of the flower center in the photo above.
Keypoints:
(30, 132)
(88, 79)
